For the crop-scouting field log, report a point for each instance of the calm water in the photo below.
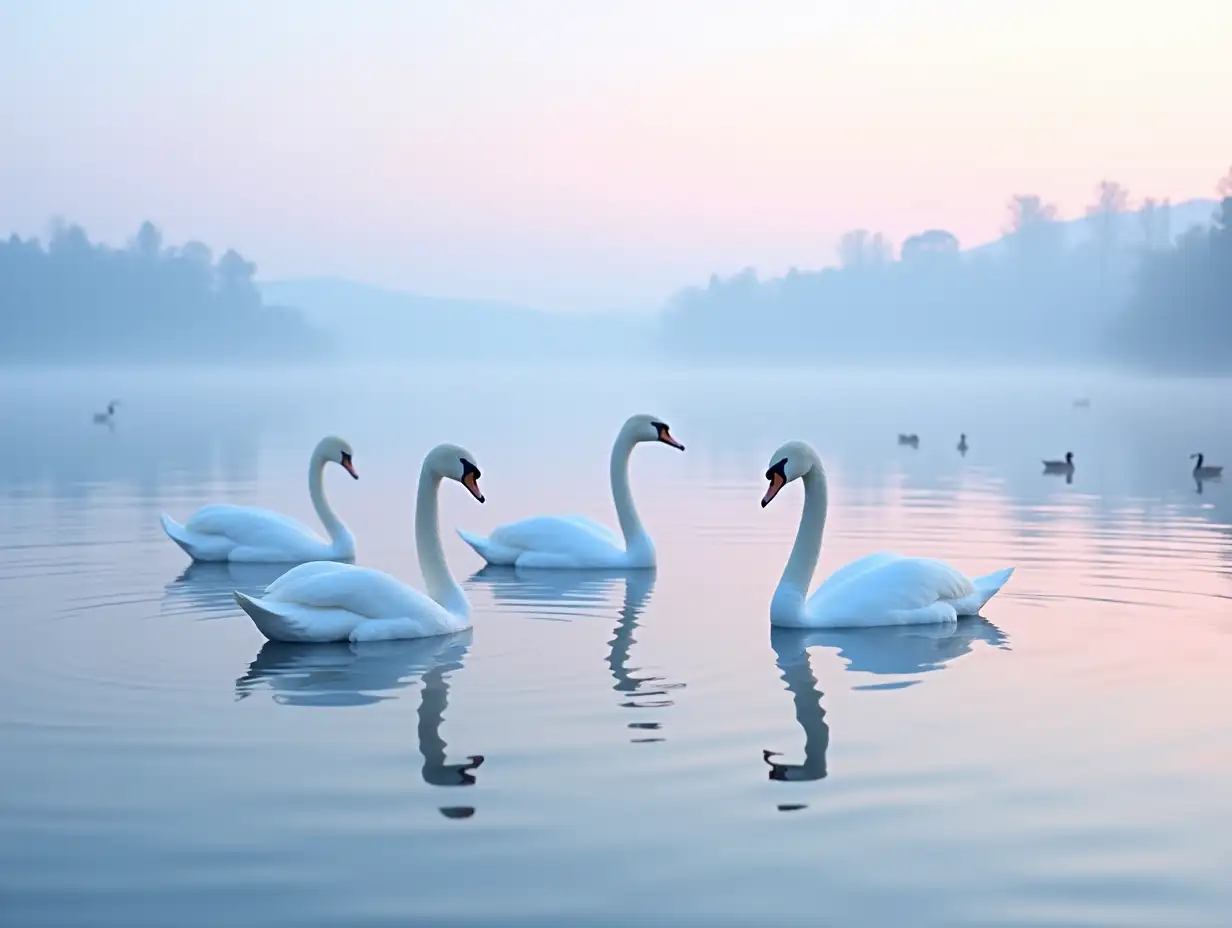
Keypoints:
(616, 750)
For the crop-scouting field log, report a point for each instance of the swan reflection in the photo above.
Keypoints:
(363, 673)
(908, 649)
(791, 655)
(896, 651)
(207, 590)
(560, 593)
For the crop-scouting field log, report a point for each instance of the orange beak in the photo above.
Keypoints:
(350, 468)
(777, 482)
(666, 437)
(471, 482)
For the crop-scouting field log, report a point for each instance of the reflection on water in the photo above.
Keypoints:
(141, 783)
(895, 651)
(791, 655)
(909, 649)
(363, 673)
(561, 592)
(206, 589)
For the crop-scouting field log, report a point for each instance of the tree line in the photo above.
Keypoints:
(1124, 291)
(76, 300)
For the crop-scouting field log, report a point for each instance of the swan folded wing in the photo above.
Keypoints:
(898, 586)
(257, 528)
(857, 568)
(368, 593)
(302, 572)
(563, 534)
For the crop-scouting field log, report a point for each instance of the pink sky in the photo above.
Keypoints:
(578, 156)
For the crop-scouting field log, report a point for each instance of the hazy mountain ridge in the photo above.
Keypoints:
(384, 323)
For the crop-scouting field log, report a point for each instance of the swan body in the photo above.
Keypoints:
(576, 542)
(326, 601)
(879, 589)
(1060, 467)
(1205, 470)
(243, 533)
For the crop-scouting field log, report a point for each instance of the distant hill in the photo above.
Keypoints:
(1077, 232)
(375, 322)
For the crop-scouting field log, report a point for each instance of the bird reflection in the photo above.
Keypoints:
(791, 655)
(908, 649)
(564, 591)
(363, 673)
(895, 650)
(207, 590)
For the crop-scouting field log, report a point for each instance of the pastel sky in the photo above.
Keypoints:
(584, 155)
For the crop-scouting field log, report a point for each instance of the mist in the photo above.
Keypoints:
(1146, 287)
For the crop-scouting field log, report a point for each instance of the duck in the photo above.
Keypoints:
(913, 439)
(1060, 467)
(1206, 471)
(106, 417)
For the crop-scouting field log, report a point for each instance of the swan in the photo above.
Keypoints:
(962, 444)
(327, 601)
(1060, 467)
(913, 439)
(1205, 470)
(880, 589)
(242, 533)
(564, 542)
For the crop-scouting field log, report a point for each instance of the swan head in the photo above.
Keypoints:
(643, 427)
(453, 462)
(338, 450)
(1069, 457)
(791, 462)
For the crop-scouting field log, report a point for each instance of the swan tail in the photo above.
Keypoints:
(496, 554)
(295, 622)
(986, 587)
(179, 534)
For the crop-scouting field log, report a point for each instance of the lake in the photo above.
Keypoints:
(620, 749)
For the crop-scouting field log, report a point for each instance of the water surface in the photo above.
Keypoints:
(613, 749)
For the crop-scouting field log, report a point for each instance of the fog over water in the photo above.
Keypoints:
(602, 748)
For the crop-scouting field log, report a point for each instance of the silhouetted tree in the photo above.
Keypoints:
(1224, 187)
(932, 242)
(1180, 316)
(77, 300)
(860, 248)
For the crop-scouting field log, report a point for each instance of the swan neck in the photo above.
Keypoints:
(439, 581)
(342, 542)
(798, 574)
(630, 523)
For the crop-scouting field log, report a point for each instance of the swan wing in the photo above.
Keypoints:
(362, 591)
(250, 527)
(856, 568)
(557, 535)
(302, 572)
(897, 591)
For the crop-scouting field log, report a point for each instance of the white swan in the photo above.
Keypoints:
(880, 589)
(327, 601)
(243, 533)
(573, 542)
